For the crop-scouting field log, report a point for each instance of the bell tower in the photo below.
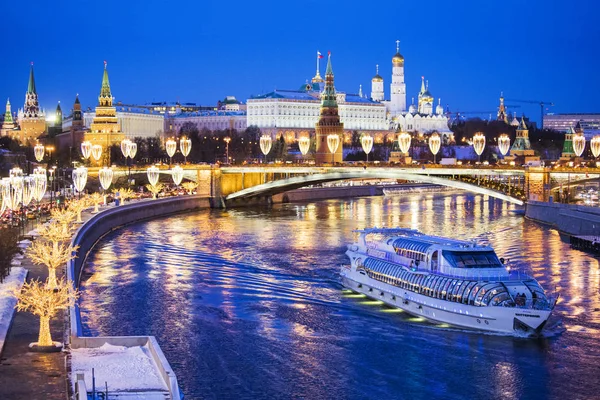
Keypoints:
(329, 122)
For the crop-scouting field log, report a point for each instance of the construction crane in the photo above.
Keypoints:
(540, 103)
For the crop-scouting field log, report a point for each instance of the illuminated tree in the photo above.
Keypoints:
(190, 186)
(155, 189)
(78, 205)
(64, 216)
(45, 301)
(96, 198)
(52, 256)
(55, 232)
(124, 193)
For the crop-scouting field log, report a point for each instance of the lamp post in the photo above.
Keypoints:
(86, 149)
(503, 144)
(185, 145)
(304, 145)
(404, 140)
(171, 147)
(129, 150)
(97, 152)
(333, 142)
(227, 140)
(177, 175)
(578, 144)
(366, 142)
(265, 145)
(39, 152)
(479, 143)
(79, 176)
(435, 142)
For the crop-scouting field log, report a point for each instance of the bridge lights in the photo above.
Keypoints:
(97, 152)
(152, 173)
(304, 145)
(39, 150)
(479, 143)
(578, 143)
(333, 142)
(265, 144)
(366, 141)
(504, 143)
(86, 149)
(404, 139)
(185, 145)
(435, 142)
(106, 177)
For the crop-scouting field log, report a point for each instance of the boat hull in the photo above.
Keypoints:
(504, 320)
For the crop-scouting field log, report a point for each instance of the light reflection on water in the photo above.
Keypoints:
(246, 303)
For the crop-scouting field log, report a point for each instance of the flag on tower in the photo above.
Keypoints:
(319, 54)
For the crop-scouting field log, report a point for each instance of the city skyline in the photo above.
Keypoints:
(254, 59)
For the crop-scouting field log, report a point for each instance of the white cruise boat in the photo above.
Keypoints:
(444, 280)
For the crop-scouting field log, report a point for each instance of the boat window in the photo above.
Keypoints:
(485, 290)
(438, 285)
(499, 299)
(449, 288)
(474, 292)
(485, 300)
(479, 259)
(465, 294)
(456, 289)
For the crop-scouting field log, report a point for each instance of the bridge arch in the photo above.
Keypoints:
(284, 185)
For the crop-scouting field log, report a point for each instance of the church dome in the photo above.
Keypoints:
(398, 58)
(439, 110)
(377, 78)
(412, 109)
(426, 94)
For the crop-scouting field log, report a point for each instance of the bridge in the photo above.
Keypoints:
(237, 185)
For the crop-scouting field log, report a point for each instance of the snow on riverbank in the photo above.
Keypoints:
(128, 369)
(8, 301)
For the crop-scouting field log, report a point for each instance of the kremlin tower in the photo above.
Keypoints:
(397, 87)
(425, 98)
(521, 146)
(32, 121)
(8, 125)
(105, 128)
(329, 122)
(377, 86)
(502, 110)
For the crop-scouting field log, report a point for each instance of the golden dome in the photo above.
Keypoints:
(377, 78)
(398, 59)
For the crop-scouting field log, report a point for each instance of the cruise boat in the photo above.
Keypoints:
(444, 280)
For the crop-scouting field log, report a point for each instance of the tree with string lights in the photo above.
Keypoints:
(53, 256)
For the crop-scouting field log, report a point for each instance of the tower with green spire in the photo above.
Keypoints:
(59, 118)
(329, 121)
(522, 146)
(31, 118)
(568, 152)
(8, 125)
(104, 129)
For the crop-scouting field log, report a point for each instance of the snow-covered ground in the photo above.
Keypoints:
(8, 301)
(124, 369)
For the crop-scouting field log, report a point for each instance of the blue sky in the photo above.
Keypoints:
(201, 51)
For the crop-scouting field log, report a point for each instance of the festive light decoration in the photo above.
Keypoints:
(171, 147)
(78, 205)
(177, 174)
(28, 190)
(125, 143)
(13, 192)
(190, 186)
(435, 142)
(304, 145)
(96, 152)
(106, 177)
(39, 151)
(79, 177)
(333, 142)
(86, 149)
(185, 145)
(44, 301)
(155, 189)
(41, 183)
(595, 145)
(132, 149)
(55, 233)
(404, 140)
(63, 216)
(15, 173)
(52, 255)
(265, 144)
(367, 144)
(504, 143)
(152, 173)
(578, 143)
(124, 193)
(3, 184)
(96, 199)
(479, 143)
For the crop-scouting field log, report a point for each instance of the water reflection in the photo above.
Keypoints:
(247, 303)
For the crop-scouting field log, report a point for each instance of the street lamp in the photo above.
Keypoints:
(171, 147)
(152, 173)
(504, 144)
(177, 175)
(265, 145)
(367, 144)
(106, 176)
(39, 151)
(578, 143)
(333, 142)
(435, 142)
(97, 152)
(404, 140)
(227, 140)
(185, 145)
(79, 176)
(86, 149)
(479, 143)
(304, 145)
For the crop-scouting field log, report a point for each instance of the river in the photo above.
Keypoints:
(247, 303)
